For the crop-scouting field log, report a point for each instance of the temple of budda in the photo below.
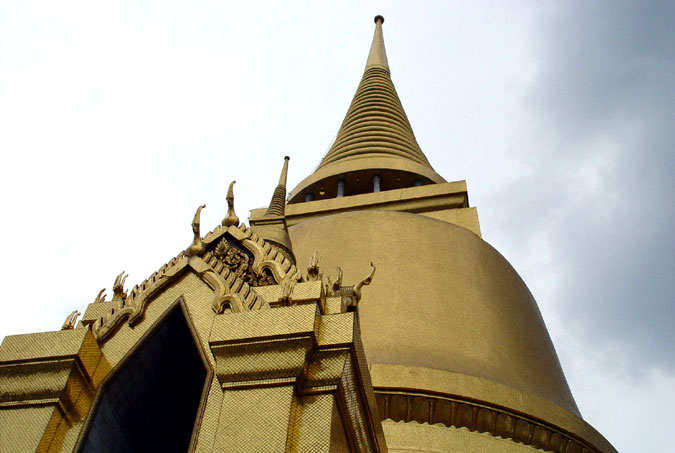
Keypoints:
(361, 311)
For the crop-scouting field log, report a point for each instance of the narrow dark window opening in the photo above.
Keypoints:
(377, 180)
(341, 184)
(151, 402)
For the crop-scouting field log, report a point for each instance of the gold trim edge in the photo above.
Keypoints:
(454, 411)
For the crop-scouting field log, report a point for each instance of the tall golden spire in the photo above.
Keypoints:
(272, 226)
(375, 136)
(277, 207)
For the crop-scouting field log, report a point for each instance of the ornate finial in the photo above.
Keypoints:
(100, 297)
(231, 218)
(362, 283)
(377, 58)
(313, 272)
(338, 281)
(277, 207)
(335, 288)
(272, 226)
(70, 321)
(351, 295)
(197, 246)
(119, 294)
(286, 290)
(284, 172)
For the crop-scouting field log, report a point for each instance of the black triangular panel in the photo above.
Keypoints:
(151, 402)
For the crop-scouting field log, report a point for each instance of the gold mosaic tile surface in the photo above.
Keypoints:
(264, 363)
(254, 420)
(301, 292)
(310, 428)
(95, 311)
(326, 367)
(261, 360)
(294, 320)
(335, 329)
(22, 428)
(36, 345)
(332, 305)
(208, 428)
(338, 437)
(34, 381)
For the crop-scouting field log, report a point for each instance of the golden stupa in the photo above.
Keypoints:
(365, 313)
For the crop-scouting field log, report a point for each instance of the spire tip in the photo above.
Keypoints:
(378, 57)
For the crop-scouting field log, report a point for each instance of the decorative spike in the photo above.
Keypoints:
(118, 288)
(377, 58)
(272, 226)
(313, 271)
(231, 218)
(70, 321)
(197, 246)
(286, 291)
(100, 297)
(362, 283)
(277, 207)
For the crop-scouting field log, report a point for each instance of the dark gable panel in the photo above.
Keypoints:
(151, 402)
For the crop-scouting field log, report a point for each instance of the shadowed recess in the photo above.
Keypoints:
(151, 402)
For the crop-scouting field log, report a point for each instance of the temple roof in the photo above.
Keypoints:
(375, 133)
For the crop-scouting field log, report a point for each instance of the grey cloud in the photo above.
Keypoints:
(606, 79)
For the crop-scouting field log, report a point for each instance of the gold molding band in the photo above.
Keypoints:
(388, 378)
(457, 412)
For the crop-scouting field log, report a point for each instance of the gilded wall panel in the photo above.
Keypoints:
(254, 420)
(311, 424)
(208, 427)
(338, 437)
(22, 428)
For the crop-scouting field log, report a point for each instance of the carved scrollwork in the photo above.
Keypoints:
(286, 290)
(235, 260)
(351, 295)
(132, 308)
(313, 271)
(119, 293)
(232, 302)
(100, 297)
(232, 260)
(239, 263)
(70, 321)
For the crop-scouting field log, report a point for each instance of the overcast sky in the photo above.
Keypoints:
(118, 119)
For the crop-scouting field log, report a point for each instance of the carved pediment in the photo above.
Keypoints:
(234, 261)
(239, 260)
